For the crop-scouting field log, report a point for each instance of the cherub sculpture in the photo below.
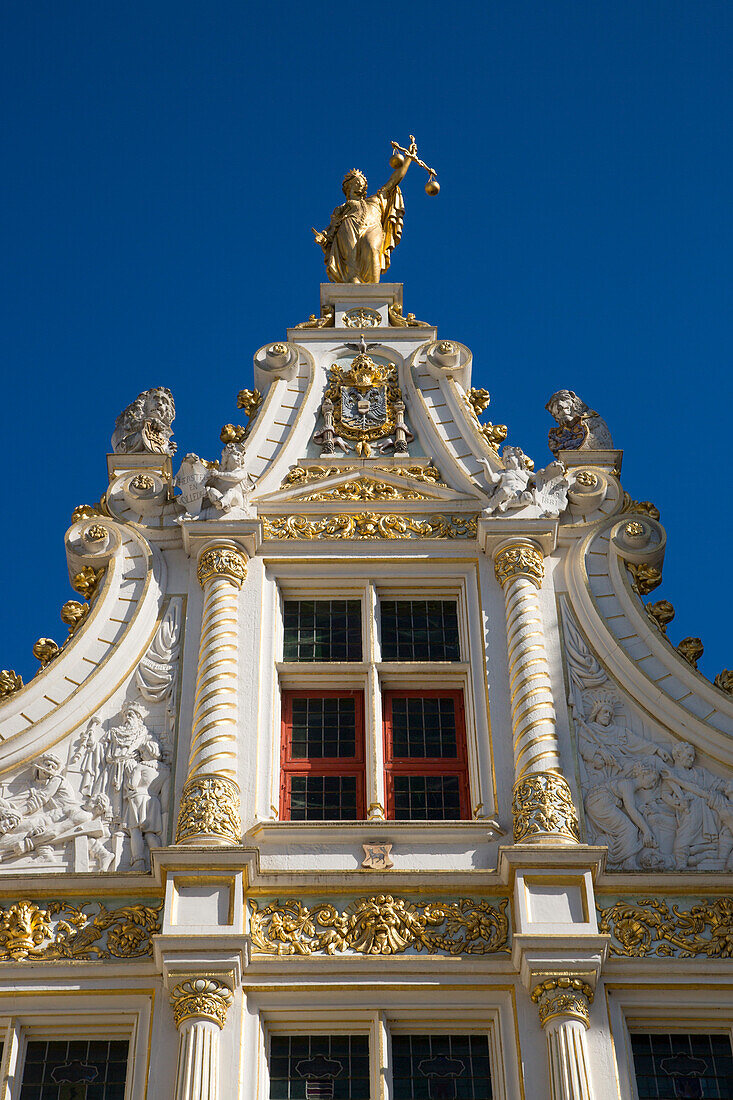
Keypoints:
(146, 424)
(512, 485)
(578, 428)
(229, 486)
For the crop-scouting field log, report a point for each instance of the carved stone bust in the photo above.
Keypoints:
(578, 428)
(146, 424)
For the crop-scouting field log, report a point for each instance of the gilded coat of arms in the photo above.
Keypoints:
(363, 399)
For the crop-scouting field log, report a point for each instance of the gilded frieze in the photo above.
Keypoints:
(380, 925)
(369, 525)
(652, 927)
(60, 930)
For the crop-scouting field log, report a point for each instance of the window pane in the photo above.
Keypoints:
(424, 727)
(427, 798)
(323, 798)
(311, 1067)
(322, 630)
(323, 728)
(441, 1067)
(82, 1069)
(419, 630)
(689, 1066)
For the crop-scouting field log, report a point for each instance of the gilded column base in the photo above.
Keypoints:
(542, 807)
(209, 812)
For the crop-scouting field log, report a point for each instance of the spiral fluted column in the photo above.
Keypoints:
(542, 804)
(200, 1008)
(209, 811)
(564, 1008)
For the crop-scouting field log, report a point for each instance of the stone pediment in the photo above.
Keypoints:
(361, 482)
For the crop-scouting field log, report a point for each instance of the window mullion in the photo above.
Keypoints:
(381, 1058)
(10, 1066)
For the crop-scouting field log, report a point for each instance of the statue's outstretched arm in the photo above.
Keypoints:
(397, 176)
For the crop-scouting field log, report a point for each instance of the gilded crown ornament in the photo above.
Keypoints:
(363, 232)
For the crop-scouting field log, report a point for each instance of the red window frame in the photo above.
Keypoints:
(426, 765)
(322, 765)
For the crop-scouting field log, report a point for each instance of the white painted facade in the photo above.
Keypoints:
(422, 536)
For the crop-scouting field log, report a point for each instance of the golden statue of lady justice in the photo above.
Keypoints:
(363, 231)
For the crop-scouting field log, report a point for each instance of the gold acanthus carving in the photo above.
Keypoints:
(542, 803)
(381, 925)
(326, 320)
(222, 561)
(46, 650)
(724, 681)
(477, 401)
(641, 507)
(86, 581)
(519, 561)
(302, 475)
(367, 488)
(369, 525)
(201, 998)
(10, 682)
(209, 807)
(563, 996)
(645, 577)
(59, 930)
(691, 650)
(652, 926)
(399, 320)
(661, 613)
(73, 614)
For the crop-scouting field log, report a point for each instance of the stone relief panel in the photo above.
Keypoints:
(646, 797)
(101, 799)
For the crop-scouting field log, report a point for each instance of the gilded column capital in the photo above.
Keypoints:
(565, 997)
(542, 803)
(222, 561)
(522, 558)
(201, 998)
(209, 808)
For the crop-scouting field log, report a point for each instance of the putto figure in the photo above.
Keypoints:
(578, 427)
(364, 230)
(146, 424)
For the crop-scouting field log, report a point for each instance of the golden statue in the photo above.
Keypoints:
(358, 242)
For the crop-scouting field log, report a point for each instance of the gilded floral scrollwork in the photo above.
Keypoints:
(59, 930)
(542, 803)
(369, 525)
(563, 996)
(652, 926)
(209, 807)
(222, 561)
(198, 998)
(380, 925)
(10, 682)
(367, 488)
(519, 561)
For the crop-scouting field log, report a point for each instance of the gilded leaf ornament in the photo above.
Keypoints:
(369, 525)
(59, 930)
(367, 488)
(303, 475)
(653, 927)
(380, 925)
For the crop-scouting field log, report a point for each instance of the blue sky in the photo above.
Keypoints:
(164, 164)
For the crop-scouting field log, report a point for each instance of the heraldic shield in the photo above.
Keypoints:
(364, 397)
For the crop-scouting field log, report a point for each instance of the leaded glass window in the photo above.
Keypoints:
(683, 1067)
(420, 630)
(319, 1067)
(427, 798)
(426, 767)
(322, 630)
(323, 798)
(322, 777)
(323, 727)
(441, 1067)
(424, 726)
(77, 1069)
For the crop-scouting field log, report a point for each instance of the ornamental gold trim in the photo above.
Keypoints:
(652, 927)
(58, 930)
(367, 488)
(303, 475)
(201, 998)
(519, 561)
(369, 525)
(564, 997)
(209, 809)
(380, 925)
(543, 804)
(222, 561)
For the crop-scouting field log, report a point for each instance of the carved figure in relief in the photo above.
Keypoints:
(687, 810)
(517, 485)
(613, 811)
(146, 425)
(90, 758)
(578, 428)
(129, 784)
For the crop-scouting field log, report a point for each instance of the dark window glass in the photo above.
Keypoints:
(323, 727)
(692, 1067)
(322, 630)
(441, 1067)
(424, 727)
(319, 1067)
(419, 630)
(427, 797)
(79, 1069)
(323, 798)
